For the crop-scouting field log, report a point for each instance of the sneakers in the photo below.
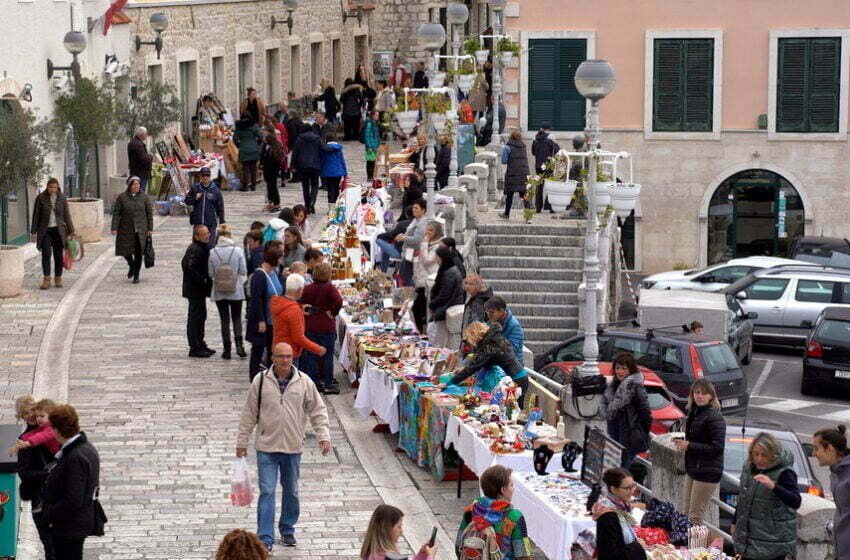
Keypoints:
(269, 546)
(288, 540)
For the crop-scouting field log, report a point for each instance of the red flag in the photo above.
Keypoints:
(110, 11)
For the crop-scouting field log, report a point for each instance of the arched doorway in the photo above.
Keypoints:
(753, 212)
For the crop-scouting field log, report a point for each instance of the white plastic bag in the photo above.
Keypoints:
(241, 493)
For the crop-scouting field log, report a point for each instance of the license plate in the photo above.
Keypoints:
(842, 374)
(726, 403)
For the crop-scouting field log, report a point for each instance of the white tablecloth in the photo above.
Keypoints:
(345, 327)
(548, 527)
(477, 456)
(378, 392)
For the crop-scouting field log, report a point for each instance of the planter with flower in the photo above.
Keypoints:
(624, 195)
(558, 188)
(464, 76)
(439, 109)
(473, 46)
(507, 49)
(534, 183)
(406, 113)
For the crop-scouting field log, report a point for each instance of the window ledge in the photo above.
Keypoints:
(807, 136)
(655, 135)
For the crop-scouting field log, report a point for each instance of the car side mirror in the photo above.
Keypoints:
(752, 315)
(806, 324)
(808, 449)
(741, 295)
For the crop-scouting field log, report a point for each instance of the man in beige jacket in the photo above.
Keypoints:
(280, 401)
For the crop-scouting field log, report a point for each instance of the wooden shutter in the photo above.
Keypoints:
(824, 84)
(683, 85)
(791, 85)
(552, 95)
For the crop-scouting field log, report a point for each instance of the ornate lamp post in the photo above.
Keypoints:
(456, 14)
(159, 23)
(290, 6)
(75, 43)
(431, 37)
(498, 7)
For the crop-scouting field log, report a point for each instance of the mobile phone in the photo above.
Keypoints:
(433, 540)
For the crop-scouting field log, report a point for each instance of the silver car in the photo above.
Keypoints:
(712, 279)
(788, 299)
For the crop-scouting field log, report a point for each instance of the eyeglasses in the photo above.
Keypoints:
(630, 487)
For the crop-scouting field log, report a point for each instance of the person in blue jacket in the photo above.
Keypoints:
(497, 312)
(207, 205)
(333, 167)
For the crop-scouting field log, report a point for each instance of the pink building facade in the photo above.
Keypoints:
(736, 114)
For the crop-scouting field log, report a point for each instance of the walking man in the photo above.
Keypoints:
(207, 205)
(280, 401)
(139, 160)
(197, 286)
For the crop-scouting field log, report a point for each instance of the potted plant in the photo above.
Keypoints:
(474, 46)
(604, 186)
(624, 195)
(23, 150)
(558, 187)
(95, 112)
(406, 115)
(534, 182)
(439, 109)
(507, 49)
(465, 76)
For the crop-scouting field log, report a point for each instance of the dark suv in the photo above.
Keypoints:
(677, 358)
(739, 433)
(826, 361)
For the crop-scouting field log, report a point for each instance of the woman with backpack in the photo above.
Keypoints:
(228, 270)
(491, 520)
(615, 538)
(625, 406)
(705, 438)
(764, 526)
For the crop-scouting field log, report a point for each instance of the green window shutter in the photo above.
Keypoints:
(824, 84)
(552, 95)
(791, 85)
(683, 85)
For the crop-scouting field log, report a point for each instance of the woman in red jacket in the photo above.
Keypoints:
(322, 303)
(288, 318)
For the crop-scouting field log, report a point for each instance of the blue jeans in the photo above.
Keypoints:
(310, 361)
(143, 183)
(268, 465)
(388, 250)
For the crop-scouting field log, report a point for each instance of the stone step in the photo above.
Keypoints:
(502, 286)
(528, 309)
(538, 322)
(525, 263)
(562, 295)
(547, 336)
(532, 229)
(537, 240)
(523, 251)
(528, 277)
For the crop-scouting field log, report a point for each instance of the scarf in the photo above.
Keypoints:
(624, 513)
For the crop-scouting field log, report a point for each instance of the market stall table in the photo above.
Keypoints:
(378, 393)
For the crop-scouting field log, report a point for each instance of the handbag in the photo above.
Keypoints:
(587, 385)
(100, 519)
(149, 255)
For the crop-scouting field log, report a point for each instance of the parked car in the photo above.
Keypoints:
(826, 251)
(788, 299)
(713, 278)
(664, 413)
(677, 358)
(739, 433)
(826, 361)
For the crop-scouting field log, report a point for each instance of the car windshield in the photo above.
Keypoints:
(717, 358)
(735, 454)
(657, 398)
(834, 332)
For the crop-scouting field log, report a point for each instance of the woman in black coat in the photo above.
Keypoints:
(615, 538)
(51, 227)
(264, 283)
(71, 486)
(351, 100)
(446, 292)
(33, 467)
(132, 224)
(517, 171)
(705, 439)
(625, 406)
(329, 98)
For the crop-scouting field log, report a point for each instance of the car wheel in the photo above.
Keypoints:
(807, 388)
(749, 357)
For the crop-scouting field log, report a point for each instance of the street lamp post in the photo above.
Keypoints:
(498, 7)
(594, 80)
(456, 15)
(431, 37)
(75, 43)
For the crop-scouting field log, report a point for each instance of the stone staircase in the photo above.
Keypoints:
(537, 268)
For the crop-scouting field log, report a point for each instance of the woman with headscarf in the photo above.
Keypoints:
(132, 224)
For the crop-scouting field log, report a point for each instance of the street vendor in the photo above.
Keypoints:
(207, 113)
(492, 358)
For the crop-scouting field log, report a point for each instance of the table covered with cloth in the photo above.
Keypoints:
(378, 393)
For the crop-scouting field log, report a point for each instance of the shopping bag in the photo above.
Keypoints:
(149, 255)
(346, 182)
(67, 259)
(241, 493)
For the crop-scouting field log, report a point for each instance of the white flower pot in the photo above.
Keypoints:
(624, 197)
(87, 215)
(465, 82)
(481, 56)
(407, 120)
(439, 120)
(560, 193)
(437, 80)
(603, 195)
(11, 270)
(507, 57)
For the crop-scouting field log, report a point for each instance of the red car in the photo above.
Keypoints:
(664, 412)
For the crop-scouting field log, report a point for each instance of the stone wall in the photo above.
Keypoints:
(200, 30)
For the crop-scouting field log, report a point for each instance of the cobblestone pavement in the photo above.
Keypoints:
(165, 424)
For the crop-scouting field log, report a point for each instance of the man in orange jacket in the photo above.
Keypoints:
(288, 318)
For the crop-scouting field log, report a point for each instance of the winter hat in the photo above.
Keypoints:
(132, 178)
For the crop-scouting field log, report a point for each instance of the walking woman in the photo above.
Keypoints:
(615, 538)
(322, 302)
(371, 141)
(132, 224)
(517, 171)
(831, 451)
(247, 137)
(329, 98)
(765, 523)
(705, 438)
(228, 271)
(51, 226)
(351, 100)
(271, 159)
(625, 406)
(265, 283)
(333, 167)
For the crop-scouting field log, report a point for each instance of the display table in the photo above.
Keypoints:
(551, 528)
(378, 393)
